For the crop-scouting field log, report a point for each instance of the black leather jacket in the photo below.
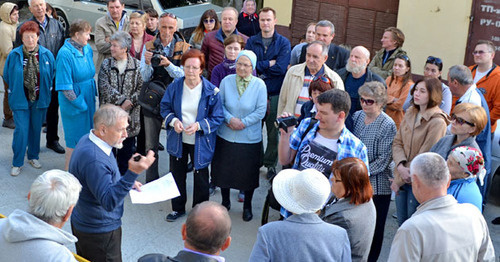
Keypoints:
(51, 37)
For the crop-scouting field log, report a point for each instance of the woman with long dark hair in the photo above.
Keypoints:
(208, 23)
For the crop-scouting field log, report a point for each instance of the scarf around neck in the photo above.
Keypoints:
(31, 72)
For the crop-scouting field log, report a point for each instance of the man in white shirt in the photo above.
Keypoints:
(462, 86)
(440, 229)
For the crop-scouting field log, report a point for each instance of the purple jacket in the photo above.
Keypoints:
(213, 48)
(227, 67)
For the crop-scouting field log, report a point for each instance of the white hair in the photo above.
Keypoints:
(108, 115)
(431, 168)
(52, 194)
(29, 2)
(364, 51)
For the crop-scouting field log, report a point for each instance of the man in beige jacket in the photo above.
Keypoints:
(9, 13)
(116, 19)
(294, 90)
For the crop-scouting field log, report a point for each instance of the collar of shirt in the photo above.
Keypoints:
(218, 258)
(105, 147)
(320, 72)
(466, 96)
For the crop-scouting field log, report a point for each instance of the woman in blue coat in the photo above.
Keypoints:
(192, 112)
(28, 73)
(75, 82)
(237, 157)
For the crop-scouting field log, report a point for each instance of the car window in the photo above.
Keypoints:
(135, 4)
(176, 3)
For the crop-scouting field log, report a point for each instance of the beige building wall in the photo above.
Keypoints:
(435, 27)
(283, 10)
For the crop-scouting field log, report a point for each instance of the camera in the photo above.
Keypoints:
(285, 122)
(156, 58)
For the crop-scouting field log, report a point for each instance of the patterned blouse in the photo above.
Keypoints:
(377, 137)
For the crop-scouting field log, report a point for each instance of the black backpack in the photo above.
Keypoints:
(150, 97)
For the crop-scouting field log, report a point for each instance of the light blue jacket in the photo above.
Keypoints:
(250, 108)
(465, 190)
(13, 75)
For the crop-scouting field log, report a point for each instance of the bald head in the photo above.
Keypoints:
(358, 61)
(207, 228)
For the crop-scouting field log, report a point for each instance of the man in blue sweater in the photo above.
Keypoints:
(96, 219)
(273, 55)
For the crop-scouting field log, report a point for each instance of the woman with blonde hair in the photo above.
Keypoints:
(137, 29)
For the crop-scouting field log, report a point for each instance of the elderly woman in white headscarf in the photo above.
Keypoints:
(237, 157)
(466, 164)
(303, 236)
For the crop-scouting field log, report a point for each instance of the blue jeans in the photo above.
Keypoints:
(27, 133)
(406, 203)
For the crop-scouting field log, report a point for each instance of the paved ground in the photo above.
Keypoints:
(144, 227)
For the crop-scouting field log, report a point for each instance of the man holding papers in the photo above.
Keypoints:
(96, 218)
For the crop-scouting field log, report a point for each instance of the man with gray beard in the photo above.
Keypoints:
(354, 75)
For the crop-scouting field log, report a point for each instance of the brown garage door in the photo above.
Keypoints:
(357, 22)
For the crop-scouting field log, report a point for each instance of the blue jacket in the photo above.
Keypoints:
(465, 190)
(13, 75)
(484, 142)
(210, 116)
(250, 108)
(278, 50)
(100, 205)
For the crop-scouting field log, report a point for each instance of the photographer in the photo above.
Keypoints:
(317, 145)
(160, 65)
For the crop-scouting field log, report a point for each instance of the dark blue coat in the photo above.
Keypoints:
(210, 116)
(278, 50)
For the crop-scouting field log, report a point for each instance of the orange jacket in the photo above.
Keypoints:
(491, 84)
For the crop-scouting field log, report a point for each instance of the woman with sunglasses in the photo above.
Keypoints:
(351, 206)
(376, 130)
(467, 121)
(318, 86)
(423, 125)
(432, 69)
(398, 87)
(208, 23)
(248, 19)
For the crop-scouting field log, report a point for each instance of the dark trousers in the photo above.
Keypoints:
(247, 203)
(141, 139)
(382, 203)
(178, 167)
(152, 128)
(7, 112)
(99, 247)
(52, 118)
(271, 153)
(124, 154)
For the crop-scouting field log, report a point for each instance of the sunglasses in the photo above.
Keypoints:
(460, 120)
(209, 21)
(167, 14)
(434, 60)
(480, 52)
(368, 102)
(323, 78)
(404, 57)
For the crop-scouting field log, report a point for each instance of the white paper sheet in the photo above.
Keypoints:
(161, 189)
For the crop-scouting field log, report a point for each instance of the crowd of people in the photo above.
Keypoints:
(347, 129)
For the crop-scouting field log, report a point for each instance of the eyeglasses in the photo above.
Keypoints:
(188, 68)
(368, 102)
(434, 60)
(480, 52)
(167, 14)
(324, 78)
(209, 21)
(243, 65)
(460, 120)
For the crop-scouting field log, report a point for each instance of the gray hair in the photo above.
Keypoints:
(462, 74)
(108, 115)
(324, 47)
(376, 90)
(123, 39)
(326, 23)
(236, 13)
(52, 194)
(431, 168)
(29, 2)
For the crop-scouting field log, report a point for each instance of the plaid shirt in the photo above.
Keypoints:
(348, 144)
